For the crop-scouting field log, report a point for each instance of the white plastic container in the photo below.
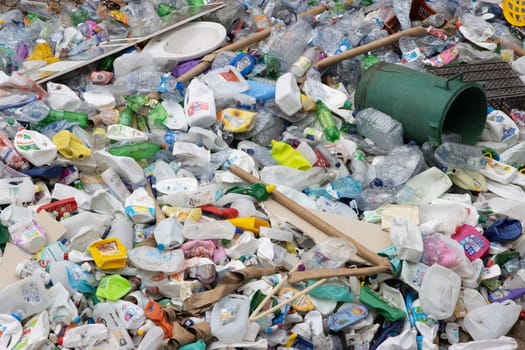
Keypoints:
(199, 104)
(35, 333)
(35, 147)
(177, 184)
(307, 151)
(202, 196)
(226, 81)
(229, 318)
(126, 167)
(122, 228)
(216, 229)
(498, 171)
(428, 185)
(11, 331)
(140, 206)
(131, 315)
(28, 295)
(28, 235)
(20, 189)
(492, 320)
(168, 234)
(152, 259)
(115, 184)
(407, 239)
(439, 292)
(84, 337)
(152, 340)
(62, 309)
(118, 336)
(287, 94)
(119, 132)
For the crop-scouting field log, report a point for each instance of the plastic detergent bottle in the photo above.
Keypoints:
(118, 336)
(35, 147)
(11, 329)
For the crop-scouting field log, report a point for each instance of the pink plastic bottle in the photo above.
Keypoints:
(10, 156)
(473, 242)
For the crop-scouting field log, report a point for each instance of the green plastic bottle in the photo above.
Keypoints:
(126, 116)
(137, 151)
(326, 119)
(261, 192)
(56, 115)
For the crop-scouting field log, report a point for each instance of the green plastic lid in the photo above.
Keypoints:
(113, 287)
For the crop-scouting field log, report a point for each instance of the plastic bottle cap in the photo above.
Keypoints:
(18, 315)
(140, 332)
(161, 246)
(457, 229)
(66, 256)
(270, 188)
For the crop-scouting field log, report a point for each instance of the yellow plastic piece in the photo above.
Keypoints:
(270, 188)
(308, 104)
(108, 253)
(70, 146)
(468, 180)
(237, 120)
(43, 52)
(286, 155)
(252, 224)
(301, 304)
(514, 12)
(182, 214)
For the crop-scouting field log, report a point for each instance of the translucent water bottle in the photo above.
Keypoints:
(380, 128)
(144, 82)
(411, 55)
(460, 156)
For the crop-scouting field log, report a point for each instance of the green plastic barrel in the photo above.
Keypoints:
(426, 105)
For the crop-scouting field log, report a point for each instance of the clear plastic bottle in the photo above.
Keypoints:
(401, 164)
(148, 81)
(303, 64)
(344, 187)
(380, 128)
(33, 112)
(411, 55)
(460, 156)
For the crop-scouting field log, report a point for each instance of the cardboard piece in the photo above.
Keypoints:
(53, 229)
(12, 256)
(369, 235)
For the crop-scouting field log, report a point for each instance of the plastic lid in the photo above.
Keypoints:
(18, 315)
(66, 256)
(60, 341)
(140, 332)
(160, 246)
(270, 188)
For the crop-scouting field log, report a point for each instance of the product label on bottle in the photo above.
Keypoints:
(25, 142)
(31, 293)
(303, 64)
(229, 77)
(411, 56)
(198, 106)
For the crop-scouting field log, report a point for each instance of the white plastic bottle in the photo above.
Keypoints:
(35, 333)
(84, 337)
(28, 295)
(11, 329)
(118, 336)
(218, 229)
(199, 104)
(168, 234)
(35, 147)
(229, 318)
(287, 94)
(204, 195)
(115, 184)
(152, 340)
(131, 315)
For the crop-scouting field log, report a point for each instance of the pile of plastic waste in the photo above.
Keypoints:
(241, 207)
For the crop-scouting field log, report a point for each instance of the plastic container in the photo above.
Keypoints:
(115, 184)
(439, 292)
(327, 122)
(229, 318)
(28, 235)
(118, 336)
(475, 244)
(152, 340)
(35, 332)
(287, 94)
(498, 171)
(380, 128)
(492, 320)
(109, 253)
(28, 296)
(199, 104)
(85, 336)
(9, 155)
(346, 316)
(168, 234)
(225, 81)
(219, 229)
(407, 96)
(428, 185)
(406, 237)
(35, 147)
(152, 259)
(11, 330)
(19, 189)
(504, 230)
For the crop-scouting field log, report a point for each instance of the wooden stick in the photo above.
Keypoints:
(289, 301)
(272, 293)
(294, 277)
(306, 215)
(360, 50)
(207, 60)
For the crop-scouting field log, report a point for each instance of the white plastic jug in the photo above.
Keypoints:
(428, 185)
(152, 259)
(131, 315)
(407, 239)
(492, 320)
(84, 337)
(439, 292)
(35, 333)
(287, 94)
(20, 189)
(28, 295)
(11, 330)
(168, 234)
(152, 340)
(199, 104)
(229, 318)
(118, 336)
(35, 147)
(28, 235)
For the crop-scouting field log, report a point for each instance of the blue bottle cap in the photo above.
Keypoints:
(161, 246)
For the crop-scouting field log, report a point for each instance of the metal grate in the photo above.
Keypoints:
(503, 86)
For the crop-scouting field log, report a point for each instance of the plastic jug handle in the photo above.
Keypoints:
(445, 86)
